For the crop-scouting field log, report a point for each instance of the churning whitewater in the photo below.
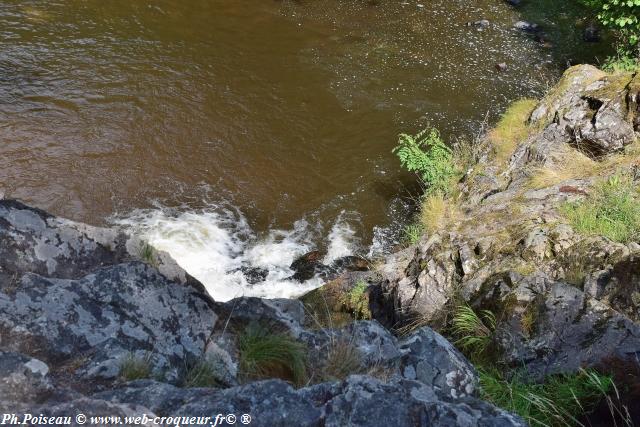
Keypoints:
(217, 246)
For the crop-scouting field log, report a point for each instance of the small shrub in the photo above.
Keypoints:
(264, 354)
(429, 157)
(612, 211)
(622, 62)
(474, 332)
(412, 233)
(620, 15)
(511, 129)
(135, 367)
(204, 373)
(561, 400)
(358, 301)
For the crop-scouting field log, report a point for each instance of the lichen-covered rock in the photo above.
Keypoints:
(590, 109)
(357, 401)
(618, 286)
(37, 242)
(363, 401)
(552, 327)
(432, 360)
(23, 378)
(95, 321)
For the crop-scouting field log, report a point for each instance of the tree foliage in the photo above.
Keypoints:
(622, 15)
(429, 157)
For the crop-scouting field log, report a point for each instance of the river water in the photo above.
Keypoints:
(244, 133)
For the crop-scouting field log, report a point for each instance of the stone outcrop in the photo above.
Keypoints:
(562, 300)
(77, 303)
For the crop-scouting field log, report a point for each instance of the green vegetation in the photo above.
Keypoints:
(412, 233)
(147, 253)
(622, 62)
(558, 401)
(511, 129)
(204, 373)
(474, 332)
(429, 157)
(135, 367)
(612, 210)
(264, 354)
(358, 301)
(622, 16)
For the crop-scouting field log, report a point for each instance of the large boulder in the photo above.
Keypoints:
(589, 109)
(34, 241)
(430, 359)
(92, 323)
(356, 401)
(552, 327)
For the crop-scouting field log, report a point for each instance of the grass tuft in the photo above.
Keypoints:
(511, 129)
(343, 359)
(135, 367)
(412, 233)
(474, 332)
(612, 211)
(358, 301)
(204, 373)
(264, 354)
(561, 400)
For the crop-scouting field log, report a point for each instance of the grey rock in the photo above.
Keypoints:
(37, 242)
(357, 401)
(432, 360)
(570, 329)
(103, 316)
(22, 378)
(618, 286)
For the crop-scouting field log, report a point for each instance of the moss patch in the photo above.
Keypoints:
(337, 303)
(511, 129)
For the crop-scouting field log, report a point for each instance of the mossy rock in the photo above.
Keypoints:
(337, 303)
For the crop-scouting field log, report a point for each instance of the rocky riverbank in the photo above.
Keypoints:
(96, 322)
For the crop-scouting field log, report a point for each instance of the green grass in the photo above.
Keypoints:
(474, 332)
(359, 301)
(612, 211)
(561, 400)
(621, 63)
(412, 233)
(147, 253)
(204, 373)
(512, 128)
(264, 354)
(135, 367)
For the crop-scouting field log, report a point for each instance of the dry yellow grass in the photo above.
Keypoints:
(511, 129)
(573, 166)
(576, 165)
(436, 212)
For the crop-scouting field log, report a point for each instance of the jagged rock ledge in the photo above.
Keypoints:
(76, 301)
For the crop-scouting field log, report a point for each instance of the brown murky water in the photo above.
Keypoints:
(281, 110)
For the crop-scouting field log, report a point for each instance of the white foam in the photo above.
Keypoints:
(212, 246)
(341, 241)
